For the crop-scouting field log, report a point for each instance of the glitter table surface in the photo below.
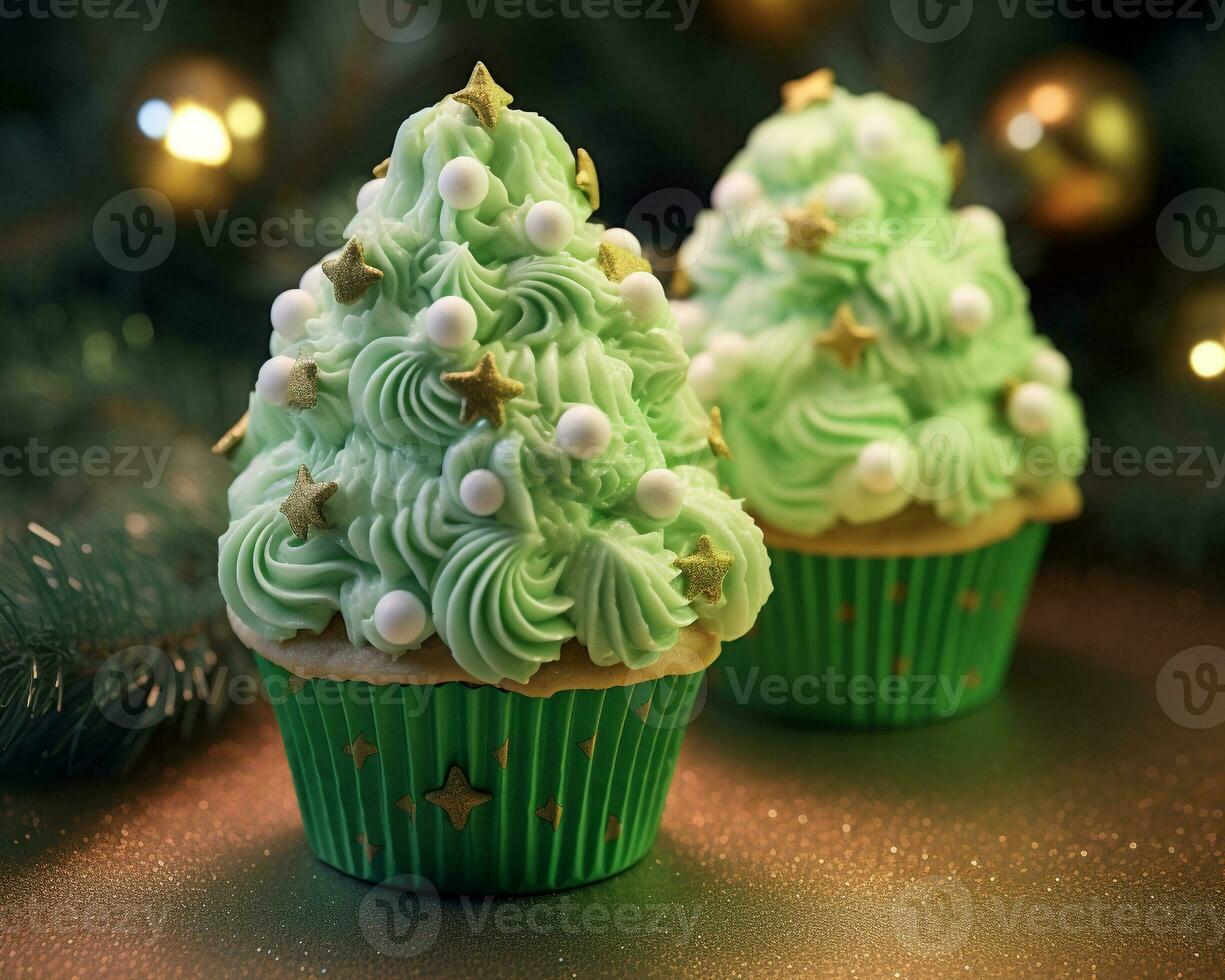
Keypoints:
(1072, 828)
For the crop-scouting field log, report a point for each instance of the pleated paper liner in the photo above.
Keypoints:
(879, 642)
(476, 789)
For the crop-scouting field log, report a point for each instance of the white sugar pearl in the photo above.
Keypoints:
(1031, 409)
(735, 191)
(290, 311)
(272, 385)
(370, 190)
(660, 494)
(729, 350)
(482, 492)
(704, 376)
(643, 295)
(982, 221)
(451, 322)
(1051, 368)
(970, 307)
(549, 227)
(690, 320)
(876, 468)
(877, 136)
(399, 618)
(312, 279)
(622, 239)
(463, 183)
(584, 432)
(849, 195)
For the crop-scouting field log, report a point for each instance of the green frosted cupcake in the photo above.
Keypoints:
(899, 431)
(476, 537)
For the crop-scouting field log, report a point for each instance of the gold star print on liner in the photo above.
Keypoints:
(408, 805)
(550, 813)
(229, 442)
(303, 508)
(847, 339)
(303, 389)
(485, 391)
(587, 746)
(617, 263)
(718, 445)
(587, 179)
(501, 754)
(970, 600)
(705, 570)
(612, 829)
(360, 750)
(349, 274)
(380, 169)
(643, 711)
(484, 96)
(370, 849)
(803, 92)
(809, 228)
(458, 797)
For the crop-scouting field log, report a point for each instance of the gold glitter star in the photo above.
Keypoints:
(303, 383)
(370, 849)
(587, 746)
(970, 600)
(644, 710)
(349, 273)
(587, 179)
(955, 158)
(486, 391)
(617, 263)
(304, 505)
(501, 754)
(705, 570)
(803, 92)
(229, 442)
(612, 829)
(718, 445)
(809, 228)
(380, 169)
(409, 806)
(550, 813)
(846, 338)
(458, 797)
(484, 96)
(360, 750)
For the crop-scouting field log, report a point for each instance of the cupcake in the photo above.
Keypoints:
(900, 432)
(476, 540)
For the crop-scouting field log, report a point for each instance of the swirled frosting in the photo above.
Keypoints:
(869, 347)
(569, 551)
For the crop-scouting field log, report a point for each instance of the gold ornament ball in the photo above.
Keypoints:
(194, 130)
(1078, 130)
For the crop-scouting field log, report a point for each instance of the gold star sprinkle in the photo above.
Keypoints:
(361, 750)
(550, 813)
(809, 228)
(304, 506)
(718, 445)
(303, 383)
(612, 829)
(970, 600)
(587, 746)
(644, 710)
(485, 390)
(587, 179)
(681, 285)
(229, 442)
(484, 96)
(847, 339)
(955, 159)
(705, 570)
(803, 92)
(409, 806)
(501, 753)
(617, 263)
(458, 797)
(349, 273)
(370, 849)
(380, 170)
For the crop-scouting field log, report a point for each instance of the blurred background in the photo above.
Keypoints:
(139, 319)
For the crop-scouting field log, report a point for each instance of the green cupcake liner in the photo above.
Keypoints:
(478, 790)
(883, 642)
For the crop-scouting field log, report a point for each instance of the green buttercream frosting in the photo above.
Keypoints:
(840, 211)
(569, 552)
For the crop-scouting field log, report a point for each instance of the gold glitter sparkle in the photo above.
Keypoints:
(303, 508)
(360, 750)
(714, 438)
(617, 263)
(349, 274)
(237, 432)
(303, 383)
(847, 339)
(705, 570)
(550, 813)
(803, 92)
(587, 178)
(485, 391)
(484, 96)
(458, 798)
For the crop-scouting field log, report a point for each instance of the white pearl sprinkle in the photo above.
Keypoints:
(312, 279)
(849, 195)
(970, 307)
(729, 350)
(735, 191)
(463, 183)
(877, 136)
(399, 618)
(982, 221)
(584, 432)
(660, 494)
(272, 385)
(370, 190)
(644, 296)
(290, 311)
(690, 320)
(1051, 368)
(549, 227)
(622, 239)
(876, 468)
(1031, 409)
(704, 376)
(482, 492)
(451, 322)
